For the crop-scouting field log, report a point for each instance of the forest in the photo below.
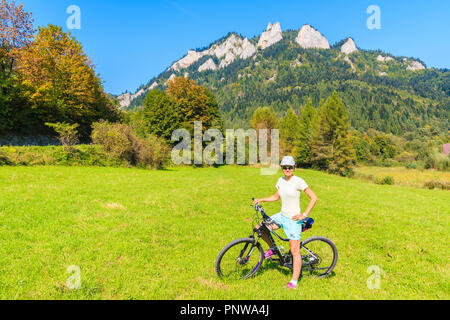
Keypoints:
(332, 114)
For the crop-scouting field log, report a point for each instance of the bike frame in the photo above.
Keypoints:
(281, 258)
(264, 228)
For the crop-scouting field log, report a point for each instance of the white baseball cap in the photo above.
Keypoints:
(288, 161)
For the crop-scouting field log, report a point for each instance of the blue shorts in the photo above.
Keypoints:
(292, 228)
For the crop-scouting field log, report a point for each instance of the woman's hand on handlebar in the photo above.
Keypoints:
(257, 201)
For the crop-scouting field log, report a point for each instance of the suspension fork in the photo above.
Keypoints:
(258, 232)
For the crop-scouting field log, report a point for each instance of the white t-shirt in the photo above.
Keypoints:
(289, 192)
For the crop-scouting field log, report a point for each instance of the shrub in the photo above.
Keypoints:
(389, 163)
(389, 180)
(4, 160)
(406, 156)
(376, 180)
(437, 160)
(411, 165)
(437, 184)
(80, 155)
(116, 139)
(151, 152)
(67, 134)
(121, 142)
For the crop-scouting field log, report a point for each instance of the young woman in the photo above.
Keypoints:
(290, 218)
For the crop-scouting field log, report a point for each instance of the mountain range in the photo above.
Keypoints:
(284, 69)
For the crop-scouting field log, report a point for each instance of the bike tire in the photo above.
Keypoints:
(333, 248)
(241, 242)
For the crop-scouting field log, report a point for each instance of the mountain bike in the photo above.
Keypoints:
(242, 258)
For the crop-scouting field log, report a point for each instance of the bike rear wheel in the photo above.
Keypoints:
(321, 256)
(240, 259)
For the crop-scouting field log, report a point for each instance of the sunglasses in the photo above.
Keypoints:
(287, 167)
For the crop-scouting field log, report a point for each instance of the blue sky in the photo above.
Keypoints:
(133, 41)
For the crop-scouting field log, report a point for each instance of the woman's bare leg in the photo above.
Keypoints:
(295, 250)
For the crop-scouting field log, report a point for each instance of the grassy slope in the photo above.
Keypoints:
(140, 234)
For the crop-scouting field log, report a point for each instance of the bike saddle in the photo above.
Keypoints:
(307, 224)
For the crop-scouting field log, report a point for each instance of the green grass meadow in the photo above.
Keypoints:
(141, 234)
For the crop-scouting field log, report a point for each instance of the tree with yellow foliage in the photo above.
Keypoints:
(60, 81)
(196, 103)
(16, 32)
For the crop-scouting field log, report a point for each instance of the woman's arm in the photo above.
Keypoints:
(311, 205)
(312, 202)
(272, 198)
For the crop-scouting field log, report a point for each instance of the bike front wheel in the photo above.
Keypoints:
(321, 256)
(240, 259)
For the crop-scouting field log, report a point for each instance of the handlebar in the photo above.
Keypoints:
(256, 206)
(259, 208)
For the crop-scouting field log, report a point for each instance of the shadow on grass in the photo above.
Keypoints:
(167, 169)
(308, 274)
(272, 265)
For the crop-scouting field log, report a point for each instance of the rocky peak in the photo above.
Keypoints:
(248, 49)
(349, 46)
(272, 35)
(208, 65)
(234, 47)
(413, 65)
(126, 98)
(229, 45)
(308, 37)
(227, 51)
(189, 59)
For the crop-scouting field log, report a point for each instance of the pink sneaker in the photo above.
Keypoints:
(268, 254)
(291, 286)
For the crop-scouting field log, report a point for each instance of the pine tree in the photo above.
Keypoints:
(321, 143)
(307, 120)
(331, 147)
(289, 128)
(344, 156)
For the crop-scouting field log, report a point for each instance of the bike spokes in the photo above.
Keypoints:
(318, 258)
(240, 261)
